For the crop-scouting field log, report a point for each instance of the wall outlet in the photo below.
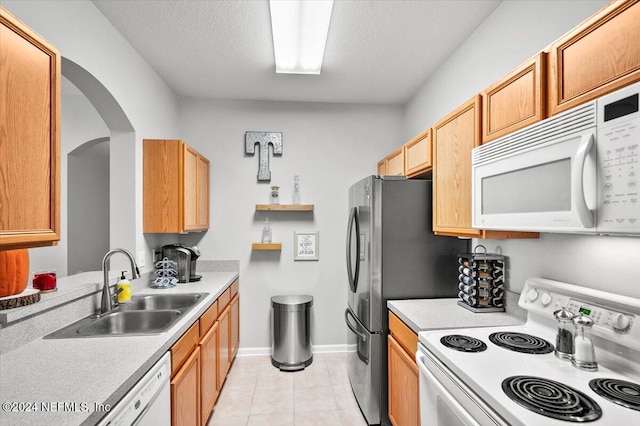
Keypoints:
(141, 259)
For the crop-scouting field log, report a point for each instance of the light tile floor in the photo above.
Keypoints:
(257, 393)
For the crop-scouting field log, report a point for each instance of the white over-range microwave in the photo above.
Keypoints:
(575, 172)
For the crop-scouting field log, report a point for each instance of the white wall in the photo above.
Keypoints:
(85, 36)
(330, 146)
(513, 33)
(79, 123)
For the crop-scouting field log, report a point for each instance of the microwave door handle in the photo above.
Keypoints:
(577, 181)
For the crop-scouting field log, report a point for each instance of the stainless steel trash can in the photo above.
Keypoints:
(291, 346)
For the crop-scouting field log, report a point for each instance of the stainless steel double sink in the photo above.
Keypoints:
(144, 315)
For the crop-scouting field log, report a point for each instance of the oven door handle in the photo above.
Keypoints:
(444, 394)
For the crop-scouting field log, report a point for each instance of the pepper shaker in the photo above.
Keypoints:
(584, 356)
(564, 338)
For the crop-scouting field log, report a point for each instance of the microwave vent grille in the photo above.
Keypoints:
(573, 121)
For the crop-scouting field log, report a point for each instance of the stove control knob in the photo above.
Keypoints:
(532, 295)
(621, 323)
(545, 299)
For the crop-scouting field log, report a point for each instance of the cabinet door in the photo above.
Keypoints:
(516, 101)
(395, 162)
(599, 56)
(190, 188)
(417, 154)
(30, 137)
(404, 408)
(162, 177)
(453, 139)
(185, 393)
(223, 345)
(234, 327)
(203, 193)
(209, 389)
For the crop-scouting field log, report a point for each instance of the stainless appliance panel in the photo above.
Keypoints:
(393, 254)
(359, 236)
(364, 368)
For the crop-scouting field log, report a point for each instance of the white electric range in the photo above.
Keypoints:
(529, 385)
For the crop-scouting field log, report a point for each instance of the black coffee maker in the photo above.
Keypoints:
(185, 258)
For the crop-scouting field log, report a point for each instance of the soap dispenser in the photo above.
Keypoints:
(266, 232)
(584, 355)
(123, 289)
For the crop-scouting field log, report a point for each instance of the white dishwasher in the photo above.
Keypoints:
(148, 403)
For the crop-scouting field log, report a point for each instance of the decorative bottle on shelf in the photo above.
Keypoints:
(296, 190)
(275, 198)
(266, 232)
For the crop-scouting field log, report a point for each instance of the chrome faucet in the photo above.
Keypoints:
(107, 302)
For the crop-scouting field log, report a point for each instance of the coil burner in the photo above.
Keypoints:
(551, 399)
(463, 343)
(620, 392)
(521, 342)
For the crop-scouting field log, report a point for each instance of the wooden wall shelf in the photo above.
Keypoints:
(285, 207)
(266, 246)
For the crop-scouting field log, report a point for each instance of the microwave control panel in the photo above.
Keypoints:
(618, 159)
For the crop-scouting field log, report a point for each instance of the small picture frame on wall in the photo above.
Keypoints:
(306, 245)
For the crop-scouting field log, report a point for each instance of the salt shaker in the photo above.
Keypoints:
(584, 356)
(564, 338)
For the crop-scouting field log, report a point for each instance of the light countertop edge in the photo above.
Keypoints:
(92, 370)
(437, 314)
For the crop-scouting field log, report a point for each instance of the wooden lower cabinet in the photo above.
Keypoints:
(185, 393)
(224, 360)
(201, 359)
(403, 374)
(234, 327)
(209, 389)
(404, 404)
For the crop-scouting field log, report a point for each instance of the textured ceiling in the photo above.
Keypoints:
(376, 52)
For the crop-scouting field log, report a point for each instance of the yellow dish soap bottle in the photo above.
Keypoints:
(125, 295)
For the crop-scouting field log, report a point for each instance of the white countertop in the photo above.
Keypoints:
(90, 371)
(435, 314)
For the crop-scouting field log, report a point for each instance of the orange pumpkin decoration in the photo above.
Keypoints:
(14, 271)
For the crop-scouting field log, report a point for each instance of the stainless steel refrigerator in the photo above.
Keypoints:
(392, 253)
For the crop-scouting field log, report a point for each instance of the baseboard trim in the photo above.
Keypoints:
(316, 349)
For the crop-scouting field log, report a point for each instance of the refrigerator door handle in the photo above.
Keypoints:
(347, 314)
(353, 275)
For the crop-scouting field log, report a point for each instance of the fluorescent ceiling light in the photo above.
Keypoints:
(299, 30)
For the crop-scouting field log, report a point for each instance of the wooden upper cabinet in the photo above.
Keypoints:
(29, 137)
(598, 56)
(453, 139)
(176, 187)
(417, 155)
(516, 101)
(392, 164)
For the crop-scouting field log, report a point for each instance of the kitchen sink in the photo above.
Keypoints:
(130, 322)
(144, 315)
(164, 301)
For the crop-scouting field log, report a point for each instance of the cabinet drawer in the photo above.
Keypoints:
(208, 318)
(183, 347)
(224, 299)
(234, 288)
(403, 334)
